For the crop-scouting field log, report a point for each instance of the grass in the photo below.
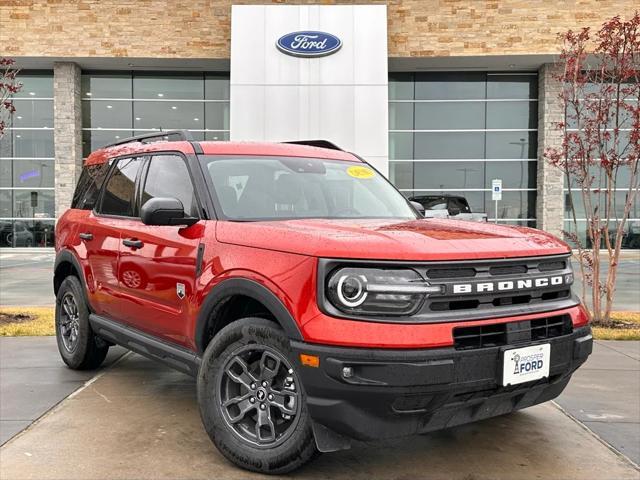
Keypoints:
(39, 321)
(627, 327)
(26, 321)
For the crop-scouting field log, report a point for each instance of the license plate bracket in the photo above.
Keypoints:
(525, 364)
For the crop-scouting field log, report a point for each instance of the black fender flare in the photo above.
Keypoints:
(68, 256)
(249, 288)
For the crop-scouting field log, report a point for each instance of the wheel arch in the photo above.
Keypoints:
(209, 320)
(67, 264)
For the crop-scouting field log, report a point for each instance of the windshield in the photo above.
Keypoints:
(267, 188)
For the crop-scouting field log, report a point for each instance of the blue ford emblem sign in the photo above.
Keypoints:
(308, 44)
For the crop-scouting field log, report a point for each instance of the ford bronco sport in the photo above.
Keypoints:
(307, 296)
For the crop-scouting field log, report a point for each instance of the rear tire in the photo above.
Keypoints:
(252, 403)
(79, 347)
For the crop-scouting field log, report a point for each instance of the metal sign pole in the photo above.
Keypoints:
(496, 194)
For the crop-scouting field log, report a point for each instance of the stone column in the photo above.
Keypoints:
(67, 115)
(550, 204)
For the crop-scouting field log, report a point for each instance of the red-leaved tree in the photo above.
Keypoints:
(600, 148)
(9, 86)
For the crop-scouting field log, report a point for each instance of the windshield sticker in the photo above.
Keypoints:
(360, 172)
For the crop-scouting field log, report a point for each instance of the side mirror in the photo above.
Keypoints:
(454, 211)
(418, 206)
(165, 211)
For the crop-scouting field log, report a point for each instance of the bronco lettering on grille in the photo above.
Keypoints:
(508, 285)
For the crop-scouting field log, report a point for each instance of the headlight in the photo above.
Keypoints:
(376, 291)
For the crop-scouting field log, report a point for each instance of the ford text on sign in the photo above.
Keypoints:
(309, 44)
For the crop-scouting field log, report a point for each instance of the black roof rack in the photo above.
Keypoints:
(147, 137)
(317, 143)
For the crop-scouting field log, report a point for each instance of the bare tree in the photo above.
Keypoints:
(600, 147)
(8, 87)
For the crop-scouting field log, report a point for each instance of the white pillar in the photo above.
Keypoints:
(342, 97)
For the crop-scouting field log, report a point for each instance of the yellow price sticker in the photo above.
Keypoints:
(360, 172)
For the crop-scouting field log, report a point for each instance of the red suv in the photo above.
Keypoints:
(307, 296)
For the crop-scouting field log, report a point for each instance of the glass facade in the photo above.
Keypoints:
(449, 132)
(454, 132)
(117, 105)
(27, 167)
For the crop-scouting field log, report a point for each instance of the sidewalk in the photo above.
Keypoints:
(604, 395)
(33, 379)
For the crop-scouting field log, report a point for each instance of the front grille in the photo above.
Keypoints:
(497, 272)
(511, 333)
(474, 289)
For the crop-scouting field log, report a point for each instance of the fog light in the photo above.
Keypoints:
(347, 372)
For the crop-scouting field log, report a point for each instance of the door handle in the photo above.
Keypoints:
(133, 243)
(86, 236)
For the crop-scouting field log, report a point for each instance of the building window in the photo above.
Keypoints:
(454, 132)
(27, 167)
(119, 105)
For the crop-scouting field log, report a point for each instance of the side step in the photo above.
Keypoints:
(172, 355)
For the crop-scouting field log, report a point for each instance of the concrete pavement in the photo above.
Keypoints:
(140, 420)
(604, 395)
(33, 379)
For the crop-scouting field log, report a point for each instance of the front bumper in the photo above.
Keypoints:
(394, 393)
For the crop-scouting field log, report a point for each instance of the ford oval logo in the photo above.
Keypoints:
(308, 44)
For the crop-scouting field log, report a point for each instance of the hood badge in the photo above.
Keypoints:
(180, 290)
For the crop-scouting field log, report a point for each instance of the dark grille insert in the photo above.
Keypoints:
(451, 272)
(501, 301)
(508, 270)
(555, 295)
(454, 305)
(551, 327)
(550, 266)
(478, 337)
(499, 334)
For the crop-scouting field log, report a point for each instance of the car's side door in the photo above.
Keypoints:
(100, 234)
(157, 268)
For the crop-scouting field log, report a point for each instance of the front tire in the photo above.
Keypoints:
(79, 347)
(251, 400)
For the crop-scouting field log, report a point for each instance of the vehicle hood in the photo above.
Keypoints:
(424, 239)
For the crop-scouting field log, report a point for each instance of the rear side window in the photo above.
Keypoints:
(168, 176)
(89, 185)
(119, 193)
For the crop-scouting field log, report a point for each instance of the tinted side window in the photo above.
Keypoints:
(89, 185)
(168, 176)
(119, 193)
(460, 204)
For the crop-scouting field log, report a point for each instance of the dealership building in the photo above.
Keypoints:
(443, 96)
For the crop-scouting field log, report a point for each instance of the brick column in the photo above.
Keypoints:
(68, 131)
(550, 204)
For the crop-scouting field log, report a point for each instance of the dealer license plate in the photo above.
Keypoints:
(526, 364)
